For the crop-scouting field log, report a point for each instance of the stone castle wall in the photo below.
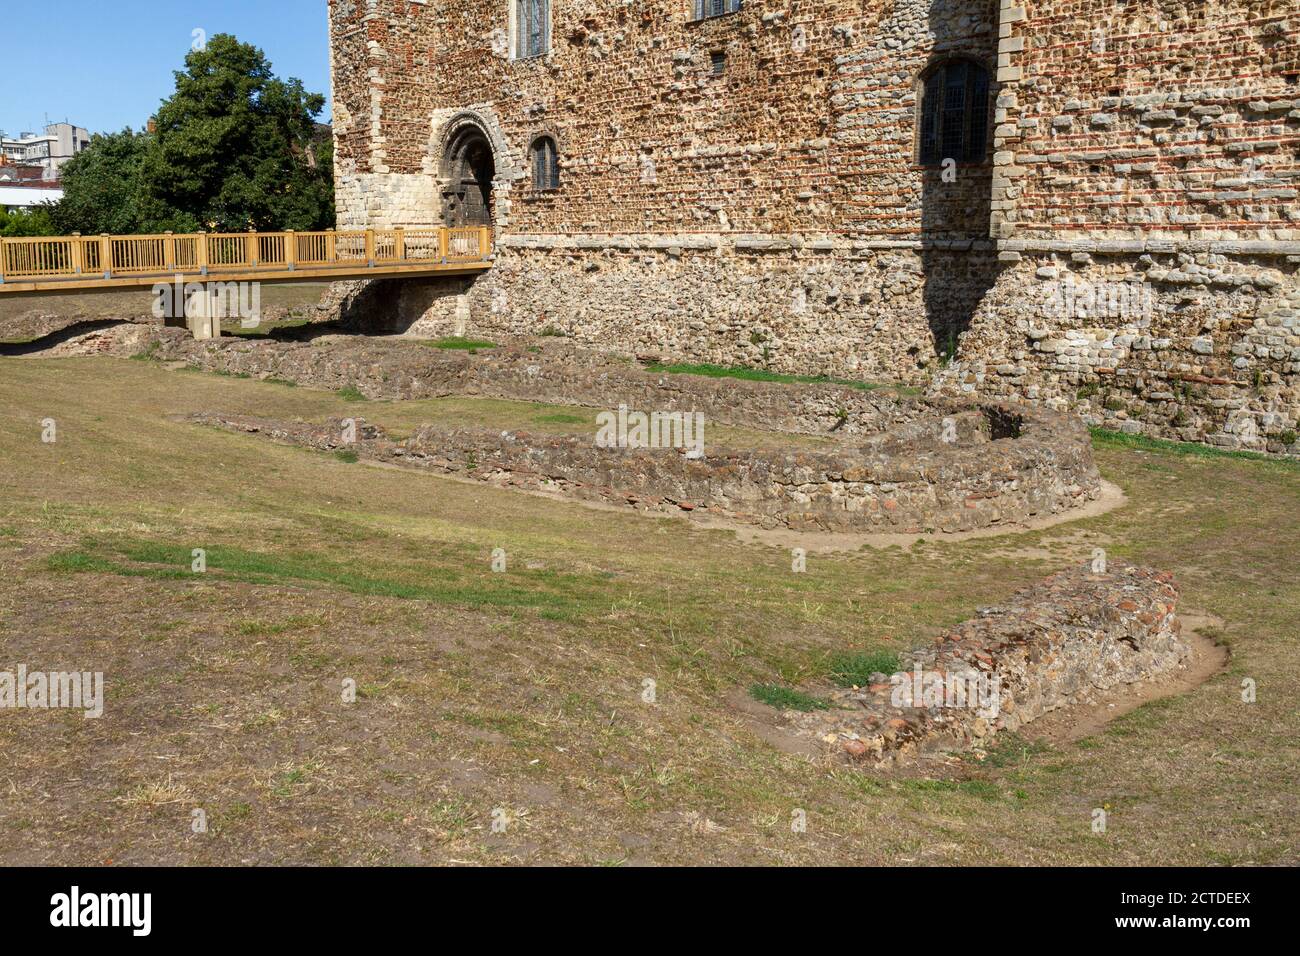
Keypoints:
(1160, 120)
(822, 307)
(770, 215)
(807, 129)
(772, 212)
(1186, 346)
(1145, 201)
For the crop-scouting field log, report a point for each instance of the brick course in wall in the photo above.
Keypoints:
(1152, 120)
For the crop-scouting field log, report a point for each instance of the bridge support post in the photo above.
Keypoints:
(202, 313)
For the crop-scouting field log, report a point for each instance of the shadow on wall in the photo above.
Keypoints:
(954, 146)
(423, 307)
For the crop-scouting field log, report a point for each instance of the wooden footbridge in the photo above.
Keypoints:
(104, 263)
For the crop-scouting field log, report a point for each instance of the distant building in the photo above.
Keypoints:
(20, 194)
(60, 142)
(10, 174)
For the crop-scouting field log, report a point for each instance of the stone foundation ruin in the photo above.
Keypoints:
(1056, 644)
(884, 461)
(1001, 469)
(893, 462)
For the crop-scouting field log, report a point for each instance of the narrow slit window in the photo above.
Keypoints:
(954, 113)
(546, 164)
(532, 27)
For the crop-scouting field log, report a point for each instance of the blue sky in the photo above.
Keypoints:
(106, 64)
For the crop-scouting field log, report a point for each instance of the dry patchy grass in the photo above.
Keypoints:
(519, 694)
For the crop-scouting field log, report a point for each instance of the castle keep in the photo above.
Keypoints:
(1088, 203)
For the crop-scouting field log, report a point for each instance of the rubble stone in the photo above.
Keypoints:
(895, 472)
(1058, 643)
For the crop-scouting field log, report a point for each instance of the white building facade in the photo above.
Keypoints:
(19, 196)
(50, 150)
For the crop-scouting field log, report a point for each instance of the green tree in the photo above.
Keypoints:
(27, 222)
(236, 148)
(102, 186)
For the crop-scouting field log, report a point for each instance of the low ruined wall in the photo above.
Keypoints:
(891, 484)
(1192, 347)
(548, 370)
(1052, 645)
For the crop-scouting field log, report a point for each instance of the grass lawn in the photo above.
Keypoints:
(460, 343)
(525, 692)
(763, 375)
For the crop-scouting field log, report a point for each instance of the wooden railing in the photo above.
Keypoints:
(204, 253)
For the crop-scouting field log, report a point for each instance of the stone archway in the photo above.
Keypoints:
(467, 174)
(474, 167)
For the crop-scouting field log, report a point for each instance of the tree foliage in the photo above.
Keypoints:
(234, 148)
(27, 222)
(101, 186)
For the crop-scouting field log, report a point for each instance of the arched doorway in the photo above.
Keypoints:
(468, 171)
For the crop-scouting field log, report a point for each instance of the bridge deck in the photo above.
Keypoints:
(102, 263)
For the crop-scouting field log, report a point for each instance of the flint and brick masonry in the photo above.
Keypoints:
(1087, 204)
